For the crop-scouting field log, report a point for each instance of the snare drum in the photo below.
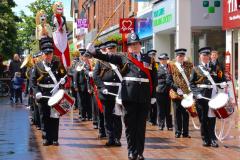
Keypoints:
(189, 104)
(61, 101)
(221, 105)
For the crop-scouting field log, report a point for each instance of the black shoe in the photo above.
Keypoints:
(214, 143)
(170, 129)
(95, 127)
(110, 143)
(161, 128)
(102, 136)
(153, 123)
(140, 157)
(118, 143)
(206, 143)
(46, 142)
(82, 119)
(55, 143)
(132, 157)
(177, 135)
(89, 119)
(186, 136)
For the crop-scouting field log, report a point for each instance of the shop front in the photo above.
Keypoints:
(231, 24)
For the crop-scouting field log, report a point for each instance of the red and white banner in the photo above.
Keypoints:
(126, 25)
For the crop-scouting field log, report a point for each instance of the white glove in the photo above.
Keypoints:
(38, 95)
(223, 85)
(90, 48)
(153, 100)
(179, 92)
(62, 80)
(199, 96)
(105, 91)
(90, 74)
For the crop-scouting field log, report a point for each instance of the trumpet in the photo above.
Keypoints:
(27, 62)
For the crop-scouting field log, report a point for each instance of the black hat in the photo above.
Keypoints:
(82, 51)
(205, 50)
(46, 40)
(102, 46)
(37, 54)
(47, 48)
(151, 52)
(132, 38)
(163, 56)
(181, 51)
(111, 44)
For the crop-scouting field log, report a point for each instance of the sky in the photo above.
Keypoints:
(21, 5)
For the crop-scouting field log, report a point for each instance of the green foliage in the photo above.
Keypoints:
(8, 30)
(27, 26)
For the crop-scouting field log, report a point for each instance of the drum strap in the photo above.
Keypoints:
(48, 69)
(183, 74)
(207, 74)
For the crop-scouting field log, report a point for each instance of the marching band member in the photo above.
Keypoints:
(137, 91)
(153, 108)
(71, 71)
(107, 80)
(202, 83)
(178, 79)
(45, 76)
(162, 94)
(81, 86)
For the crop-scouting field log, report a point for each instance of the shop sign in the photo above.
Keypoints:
(231, 14)
(82, 23)
(163, 16)
(143, 26)
(126, 25)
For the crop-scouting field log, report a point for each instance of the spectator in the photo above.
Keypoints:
(17, 83)
(13, 68)
(2, 67)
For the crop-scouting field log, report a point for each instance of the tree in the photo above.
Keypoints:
(26, 28)
(8, 30)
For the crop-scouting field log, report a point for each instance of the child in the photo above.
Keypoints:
(17, 86)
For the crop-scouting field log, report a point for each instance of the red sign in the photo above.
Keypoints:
(231, 14)
(126, 25)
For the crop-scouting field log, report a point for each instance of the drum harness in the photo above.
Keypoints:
(188, 84)
(221, 135)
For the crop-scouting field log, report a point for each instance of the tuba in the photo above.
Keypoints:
(27, 62)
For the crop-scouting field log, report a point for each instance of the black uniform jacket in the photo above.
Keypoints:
(41, 76)
(132, 91)
(162, 86)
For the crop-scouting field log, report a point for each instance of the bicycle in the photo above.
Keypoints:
(4, 89)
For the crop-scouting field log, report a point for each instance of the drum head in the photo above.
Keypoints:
(219, 101)
(56, 97)
(187, 101)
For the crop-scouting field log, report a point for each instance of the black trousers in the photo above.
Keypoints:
(181, 118)
(75, 95)
(101, 126)
(153, 113)
(49, 126)
(94, 110)
(113, 123)
(36, 115)
(18, 95)
(207, 123)
(135, 117)
(164, 110)
(85, 109)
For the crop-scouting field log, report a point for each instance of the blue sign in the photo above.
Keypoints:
(143, 26)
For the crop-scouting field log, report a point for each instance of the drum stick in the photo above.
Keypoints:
(205, 98)
(45, 97)
(57, 85)
(113, 94)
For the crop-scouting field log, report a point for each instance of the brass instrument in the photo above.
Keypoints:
(27, 62)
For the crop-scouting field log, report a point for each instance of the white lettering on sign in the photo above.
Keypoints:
(232, 6)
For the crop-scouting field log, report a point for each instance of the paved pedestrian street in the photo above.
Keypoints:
(78, 140)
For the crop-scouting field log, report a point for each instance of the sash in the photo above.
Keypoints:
(142, 68)
(183, 75)
(48, 69)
